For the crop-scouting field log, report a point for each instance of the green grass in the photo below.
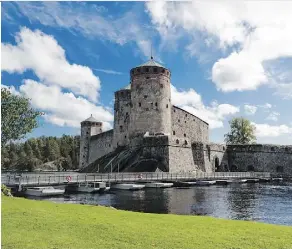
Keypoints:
(43, 224)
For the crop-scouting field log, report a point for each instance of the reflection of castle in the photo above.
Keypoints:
(150, 134)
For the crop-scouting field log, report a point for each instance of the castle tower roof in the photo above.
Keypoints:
(150, 63)
(90, 119)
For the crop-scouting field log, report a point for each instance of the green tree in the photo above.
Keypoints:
(18, 117)
(241, 132)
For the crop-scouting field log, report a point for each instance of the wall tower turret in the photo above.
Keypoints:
(89, 127)
(150, 100)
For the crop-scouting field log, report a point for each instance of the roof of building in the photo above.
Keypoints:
(150, 63)
(90, 119)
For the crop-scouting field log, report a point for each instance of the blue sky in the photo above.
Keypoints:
(226, 60)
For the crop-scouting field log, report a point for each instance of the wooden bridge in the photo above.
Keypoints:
(70, 178)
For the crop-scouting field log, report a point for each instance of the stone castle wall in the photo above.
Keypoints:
(122, 113)
(260, 157)
(100, 145)
(187, 125)
(151, 103)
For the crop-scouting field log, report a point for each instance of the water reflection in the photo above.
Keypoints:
(268, 203)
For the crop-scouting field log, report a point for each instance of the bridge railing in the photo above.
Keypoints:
(50, 179)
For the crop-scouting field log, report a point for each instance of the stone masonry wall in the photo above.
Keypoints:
(187, 125)
(100, 145)
(260, 157)
(122, 110)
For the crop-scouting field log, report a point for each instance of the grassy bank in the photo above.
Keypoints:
(42, 224)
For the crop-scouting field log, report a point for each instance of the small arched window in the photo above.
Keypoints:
(139, 104)
(156, 104)
(173, 133)
(147, 69)
(155, 70)
(166, 105)
(185, 135)
(186, 142)
(177, 141)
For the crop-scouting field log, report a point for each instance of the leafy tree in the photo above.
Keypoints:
(18, 117)
(241, 132)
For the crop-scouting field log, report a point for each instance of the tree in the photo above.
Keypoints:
(242, 132)
(18, 117)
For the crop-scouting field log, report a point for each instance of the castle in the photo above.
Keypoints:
(150, 134)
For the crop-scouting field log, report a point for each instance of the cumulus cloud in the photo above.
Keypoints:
(41, 53)
(266, 130)
(63, 109)
(253, 32)
(250, 109)
(191, 101)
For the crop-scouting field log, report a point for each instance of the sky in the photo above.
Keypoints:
(227, 59)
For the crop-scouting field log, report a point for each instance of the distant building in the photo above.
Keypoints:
(150, 134)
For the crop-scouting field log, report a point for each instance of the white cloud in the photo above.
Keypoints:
(284, 90)
(108, 71)
(92, 21)
(255, 32)
(63, 109)
(273, 116)
(191, 101)
(41, 53)
(266, 130)
(250, 109)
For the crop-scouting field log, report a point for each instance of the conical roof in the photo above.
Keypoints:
(90, 119)
(150, 63)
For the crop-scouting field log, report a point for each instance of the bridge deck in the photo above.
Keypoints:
(61, 178)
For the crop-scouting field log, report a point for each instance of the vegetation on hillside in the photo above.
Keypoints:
(17, 116)
(241, 132)
(41, 224)
(33, 153)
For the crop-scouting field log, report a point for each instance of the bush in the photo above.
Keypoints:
(5, 191)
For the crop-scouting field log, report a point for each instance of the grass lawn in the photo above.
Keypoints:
(43, 224)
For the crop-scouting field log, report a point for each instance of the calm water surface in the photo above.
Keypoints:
(269, 203)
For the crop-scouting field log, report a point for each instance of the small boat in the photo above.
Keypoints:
(158, 185)
(44, 191)
(128, 186)
(252, 180)
(205, 183)
(223, 182)
(90, 187)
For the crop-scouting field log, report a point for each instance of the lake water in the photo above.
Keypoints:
(264, 202)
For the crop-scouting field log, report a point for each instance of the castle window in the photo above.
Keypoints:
(185, 121)
(163, 70)
(83, 156)
(156, 104)
(84, 147)
(87, 132)
(272, 149)
(127, 114)
(186, 143)
(161, 85)
(185, 135)
(121, 127)
(109, 145)
(122, 94)
(125, 136)
(173, 133)
(145, 96)
(166, 105)
(147, 78)
(139, 104)
(147, 69)
(186, 115)
(155, 70)
(138, 70)
(178, 120)
(173, 110)
(177, 141)
(223, 148)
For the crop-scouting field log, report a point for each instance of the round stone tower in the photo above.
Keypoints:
(150, 100)
(122, 110)
(89, 128)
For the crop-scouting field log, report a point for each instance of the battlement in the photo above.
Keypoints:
(150, 70)
(268, 148)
